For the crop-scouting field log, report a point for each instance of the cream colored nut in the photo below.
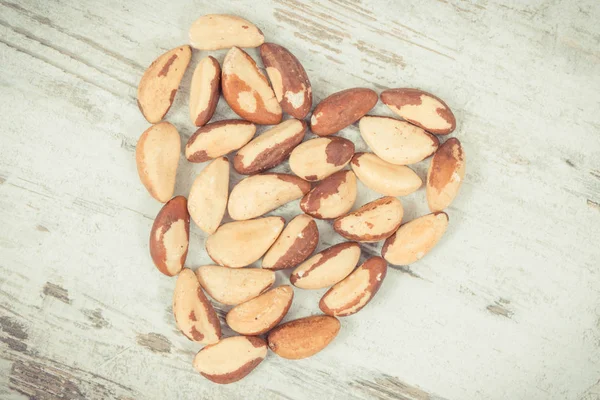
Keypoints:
(218, 139)
(341, 109)
(160, 82)
(222, 31)
(295, 244)
(318, 158)
(240, 243)
(270, 148)
(303, 337)
(204, 92)
(397, 142)
(234, 286)
(208, 196)
(415, 239)
(231, 359)
(194, 315)
(259, 194)
(259, 315)
(383, 177)
(326, 268)
(353, 293)
(420, 108)
(372, 222)
(331, 198)
(445, 176)
(170, 235)
(247, 90)
(157, 158)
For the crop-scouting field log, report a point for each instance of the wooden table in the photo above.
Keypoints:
(505, 307)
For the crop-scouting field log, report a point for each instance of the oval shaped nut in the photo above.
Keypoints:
(295, 244)
(218, 139)
(289, 79)
(160, 82)
(208, 196)
(383, 177)
(331, 198)
(259, 194)
(341, 109)
(222, 31)
(397, 142)
(247, 90)
(204, 92)
(303, 337)
(446, 173)
(231, 359)
(270, 148)
(415, 239)
(157, 158)
(372, 222)
(353, 293)
(318, 158)
(170, 236)
(326, 268)
(240, 243)
(194, 315)
(259, 315)
(420, 108)
(234, 286)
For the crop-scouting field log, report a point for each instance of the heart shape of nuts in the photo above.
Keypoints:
(250, 236)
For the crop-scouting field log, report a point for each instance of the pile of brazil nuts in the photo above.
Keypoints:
(326, 189)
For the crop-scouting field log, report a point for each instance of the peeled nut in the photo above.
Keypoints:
(194, 315)
(208, 196)
(372, 222)
(157, 157)
(295, 244)
(240, 243)
(397, 142)
(170, 236)
(415, 239)
(204, 92)
(326, 268)
(270, 148)
(262, 313)
(353, 293)
(160, 82)
(231, 359)
(341, 109)
(331, 198)
(218, 139)
(303, 337)
(318, 158)
(247, 90)
(420, 108)
(383, 177)
(259, 194)
(222, 31)
(289, 79)
(234, 286)
(446, 173)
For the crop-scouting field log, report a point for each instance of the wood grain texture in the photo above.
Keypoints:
(505, 307)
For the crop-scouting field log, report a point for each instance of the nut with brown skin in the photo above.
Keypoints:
(445, 176)
(232, 286)
(383, 177)
(353, 293)
(289, 79)
(208, 196)
(222, 31)
(170, 235)
(303, 337)
(318, 158)
(341, 109)
(231, 359)
(372, 222)
(420, 108)
(295, 244)
(194, 315)
(218, 139)
(331, 198)
(160, 82)
(397, 142)
(204, 92)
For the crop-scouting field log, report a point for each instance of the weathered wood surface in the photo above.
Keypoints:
(506, 307)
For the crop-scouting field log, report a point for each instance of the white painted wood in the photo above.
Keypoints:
(505, 307)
